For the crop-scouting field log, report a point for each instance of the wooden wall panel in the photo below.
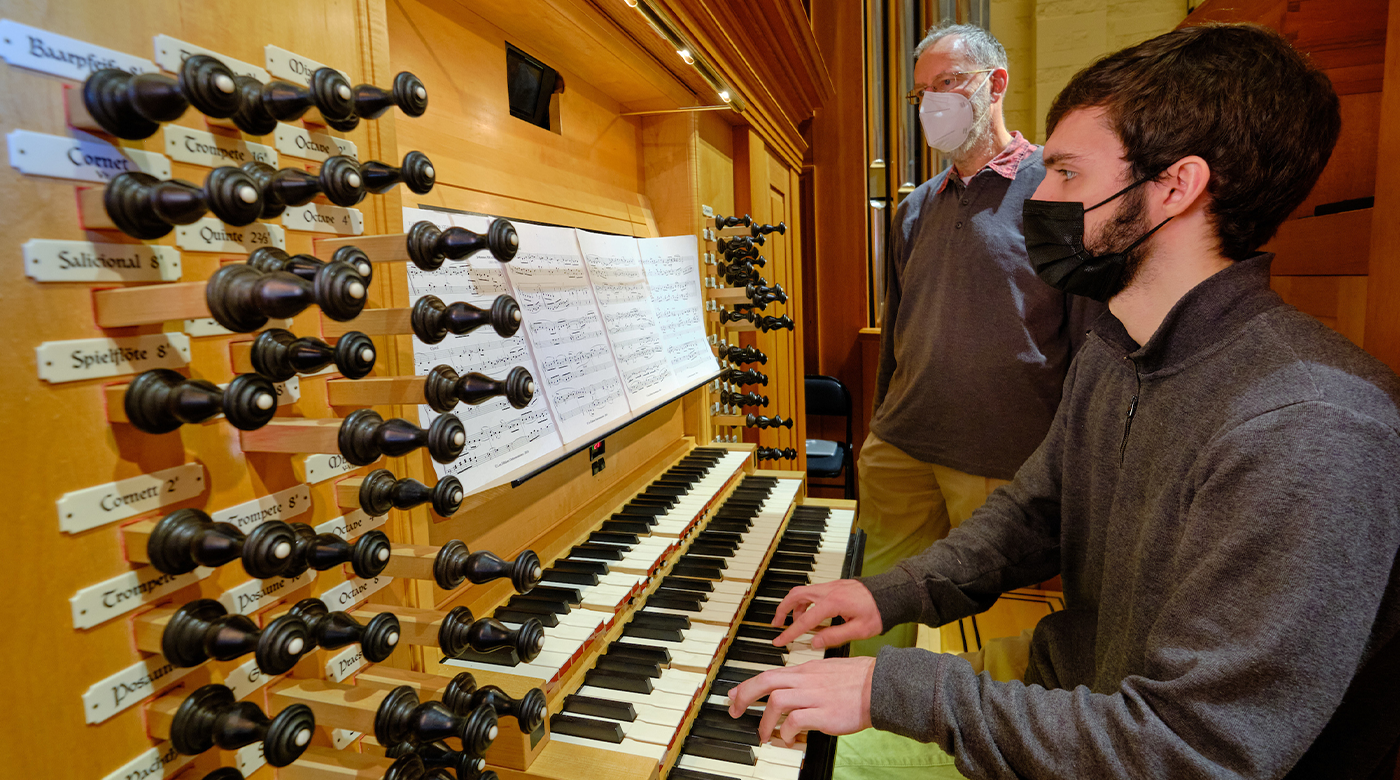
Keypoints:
(58, 438)
(1383, 293)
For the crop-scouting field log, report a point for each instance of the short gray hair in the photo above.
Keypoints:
(984, 49)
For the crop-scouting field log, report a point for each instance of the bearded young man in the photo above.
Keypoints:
(1220, 489)
(973, 347)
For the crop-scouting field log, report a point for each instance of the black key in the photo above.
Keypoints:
(669, 491)
(741, 654)
(570, 596)
(660, 620)
(604, 537)
(799, 546)
(762, 633)
(713, 562)
(718, 713)
(639, 514)
(537, 607)
(695, 570)
(713, 536)
(595, 552)
(516, 616)
(586, 567)
(730, 525)
(630, 666)
(625, 527)
(587, 728)
(602, 708)
(720, 751)
(736, 674)
(652, 632)
(713, 551)
(761, 613)
(661, 600)
(771, 592)
(738, 735)
(687, 583)
(616, 681)
(645, 502)
(571, 577)
(649, 653)
(783, 577)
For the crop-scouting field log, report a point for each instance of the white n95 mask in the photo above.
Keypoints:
(946, 118)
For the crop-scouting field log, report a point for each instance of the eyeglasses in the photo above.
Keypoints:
(943, 82)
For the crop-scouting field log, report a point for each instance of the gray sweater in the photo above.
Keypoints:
(973, 345)
(1224, 506)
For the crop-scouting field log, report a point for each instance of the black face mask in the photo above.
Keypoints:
(1055, 245)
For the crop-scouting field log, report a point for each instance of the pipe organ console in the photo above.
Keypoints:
(317, 520)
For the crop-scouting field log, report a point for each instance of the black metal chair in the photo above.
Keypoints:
(828, 397)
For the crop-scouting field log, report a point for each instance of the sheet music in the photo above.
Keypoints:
(620, 285)
(673, 275)
(565, 329)
(502, 442)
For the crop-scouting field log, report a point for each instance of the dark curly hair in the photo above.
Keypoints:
(1237, 95)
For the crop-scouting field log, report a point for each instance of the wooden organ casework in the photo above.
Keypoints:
(404, 389)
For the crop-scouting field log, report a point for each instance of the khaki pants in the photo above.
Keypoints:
(905, 506)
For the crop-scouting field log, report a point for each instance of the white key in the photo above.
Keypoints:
(768, 770)
(662, 699)
(714, 766)
(777, 754)
(628, 746)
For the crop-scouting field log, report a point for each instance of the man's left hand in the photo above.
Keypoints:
(830, 695)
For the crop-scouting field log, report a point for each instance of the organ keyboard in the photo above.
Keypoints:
(656, 612)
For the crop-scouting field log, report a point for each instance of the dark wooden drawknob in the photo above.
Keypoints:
(262, 106)
(224, 773)
(144, 207)
(462, 696)
(761, 296)
(212, 717)
(161, 400)
(341, 180)
(279, 355)
(726, 316)
(401, 718)
(270, 258)
(188, 538)
(771, 453)
(377, 638)
(742, 275)
(408, 94)
(443, 388)
(762, 230)
(728, 222)
(242, 298)
(744, 254)
(429, 245)
(380, 492)
(743, 399)
(367, 555)
(432, 319)
(416, 174)
(734, 242)
(203, 629)
(437, 755)
(133, 106)
(741, 355)
(455, 564)
(755, 421)
(364, 436)
(747, 376)
(460, 633)
(766, 324)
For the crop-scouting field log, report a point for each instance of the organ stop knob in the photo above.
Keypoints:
(380, 492)
(430, 245)
(203, 629)
(366, 555)
(242, 298)
(416, 173)
(444, 388)
(144, 207)
(188, 538)
(454, 564)
(364, 436)
(432, 319)
(755, 421)
(377, 638)
(161, 400)
(212, 717)
(268, 259)
(279, 355)
(133, 106)
(408, 94)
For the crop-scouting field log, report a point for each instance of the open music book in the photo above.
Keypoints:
(613, 327)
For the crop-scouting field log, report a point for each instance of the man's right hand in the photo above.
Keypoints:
(811, 604)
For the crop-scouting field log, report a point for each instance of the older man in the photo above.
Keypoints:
(974, 347)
